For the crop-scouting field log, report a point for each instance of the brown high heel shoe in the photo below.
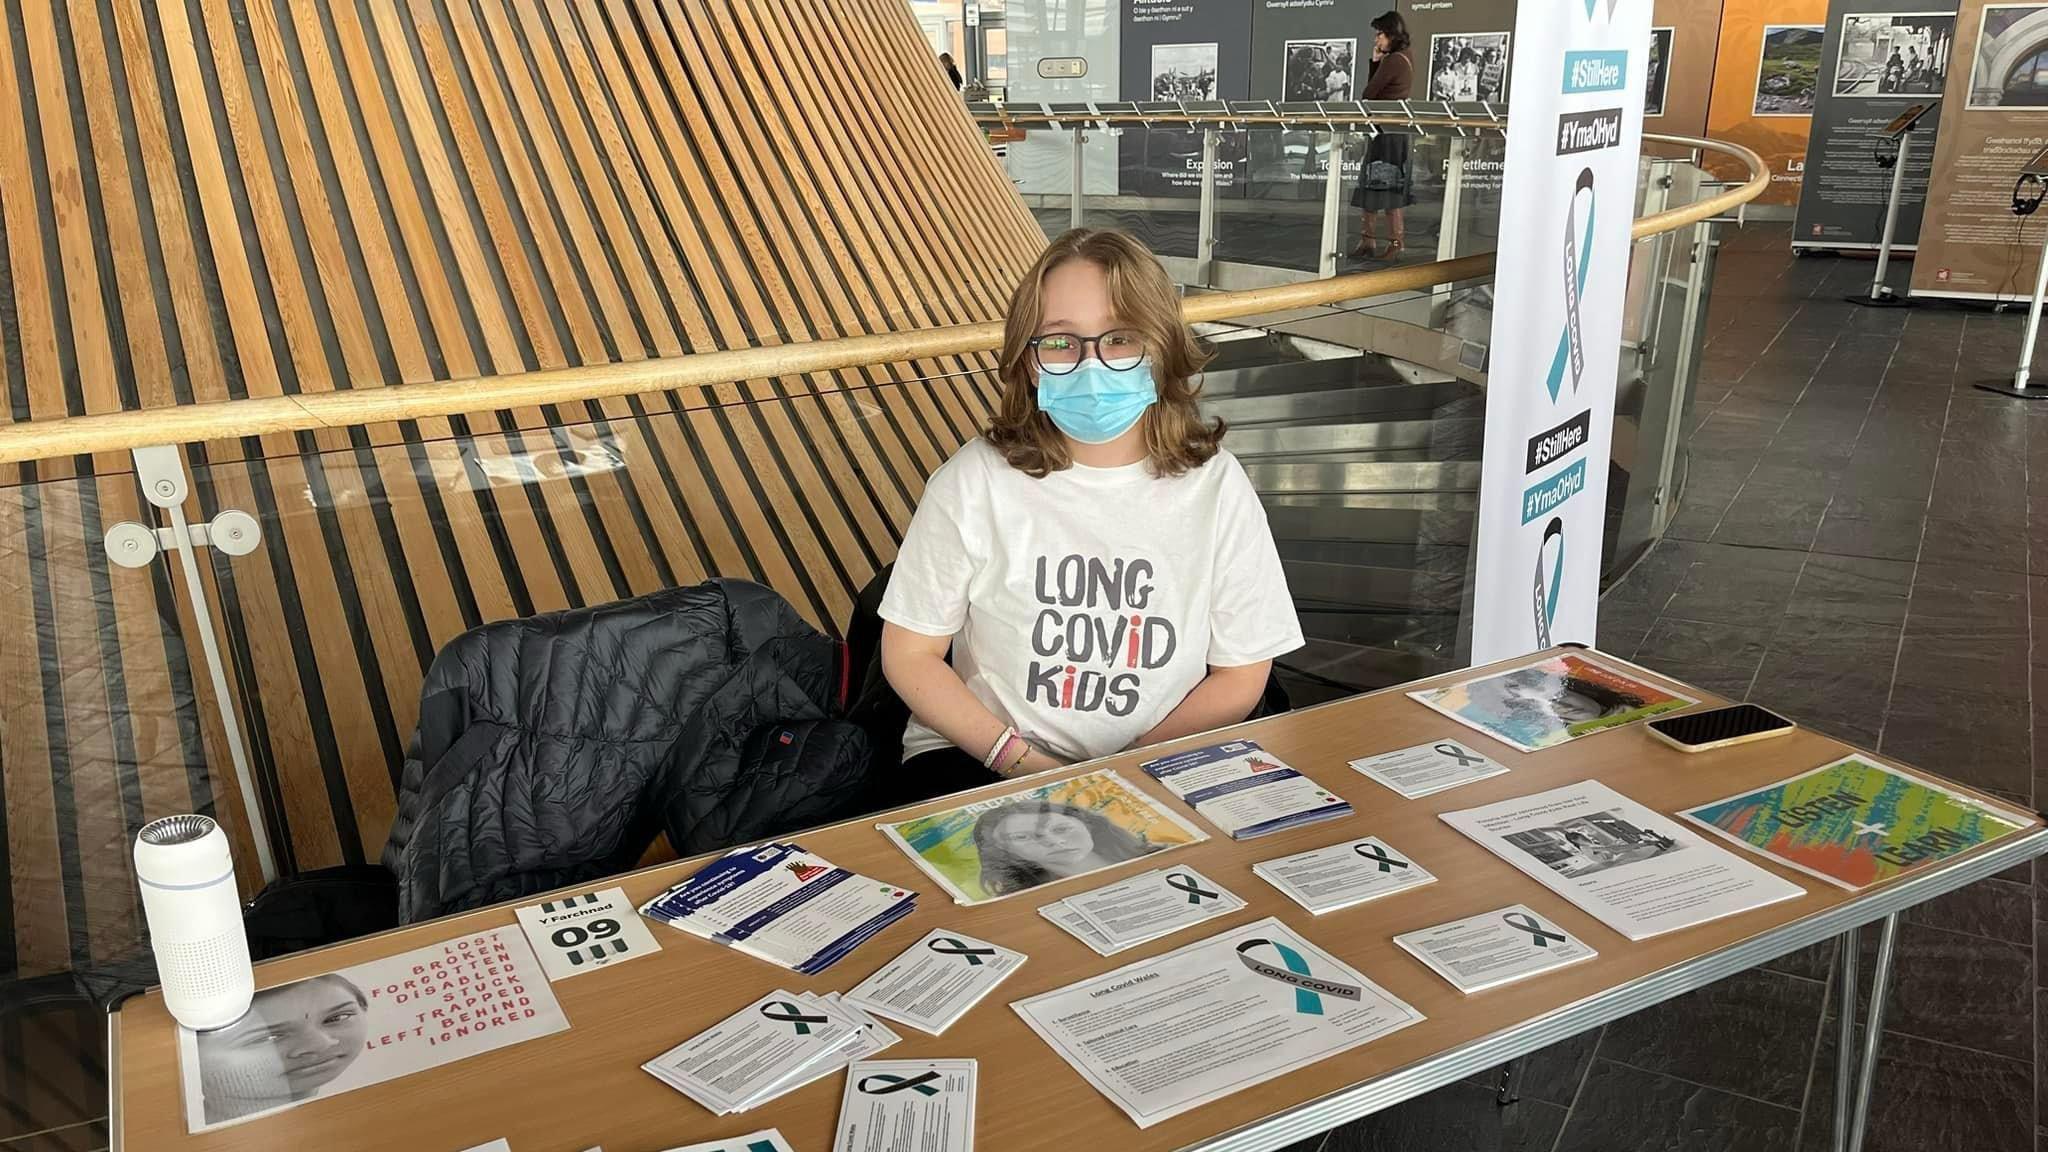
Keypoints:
(1392, 250)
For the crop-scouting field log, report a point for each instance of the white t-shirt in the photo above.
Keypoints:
(1084, 607)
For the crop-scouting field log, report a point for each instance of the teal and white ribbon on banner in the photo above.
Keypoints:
(1309, 990)
(1578, 256)
(1548, 586)
(890, 1082)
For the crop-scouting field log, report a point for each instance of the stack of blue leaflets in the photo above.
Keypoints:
(1245, 790)
(776, 902)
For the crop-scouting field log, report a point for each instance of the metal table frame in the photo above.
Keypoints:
(1885, 903)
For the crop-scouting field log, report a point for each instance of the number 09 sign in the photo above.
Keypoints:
(579, 934)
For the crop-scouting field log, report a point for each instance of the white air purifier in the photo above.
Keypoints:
(195, 921)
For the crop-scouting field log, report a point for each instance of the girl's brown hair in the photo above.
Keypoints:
(1145, 301)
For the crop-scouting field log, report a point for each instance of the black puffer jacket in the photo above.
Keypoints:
(551, 749)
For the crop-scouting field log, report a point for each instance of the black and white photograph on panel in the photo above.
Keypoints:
(1469, 66)
(1320, 69)
(1657, 72)
(2010, 68)
(1894, 53)
(1184, 72)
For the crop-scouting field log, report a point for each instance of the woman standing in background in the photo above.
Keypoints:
(1383, 184)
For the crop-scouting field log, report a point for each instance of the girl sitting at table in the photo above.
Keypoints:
(1099, 568)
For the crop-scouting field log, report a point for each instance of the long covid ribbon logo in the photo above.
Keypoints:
(1578, 258)
(1309, 989)
(784, 1012)
(1380, 856)
(1538, 934)
(954, 946)
(1182, 882)
(1549, 579)
(889, 1082)
(1465, 759)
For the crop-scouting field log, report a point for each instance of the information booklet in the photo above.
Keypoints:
(1639, 873)
(1427, 769)
(936, 980)
(1327, 879)
(772, 1047)
(1177, 1031)
(1014, 843)
(907, 1106)
(766, 1140)
(1494, 948)
(1855, 822)
(354, 1027)
(1552, 700)
(1245, 790)
(779, 903)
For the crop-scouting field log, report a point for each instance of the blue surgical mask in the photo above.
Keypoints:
(1095, 403)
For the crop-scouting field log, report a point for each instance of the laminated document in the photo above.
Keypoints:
(1177, 1031)
(1427, 769)
(1546, 702)
(1154, 904)
(1639, 872)
(907, 1106)
(1342, 875)
(1495, 948)
(936, 980)
(774, 1045)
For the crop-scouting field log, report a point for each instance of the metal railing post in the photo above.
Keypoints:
(1205, 228)
(1333, 203)
(1448, 222)
(1682, 372)
(1074, 212)
(160, 469)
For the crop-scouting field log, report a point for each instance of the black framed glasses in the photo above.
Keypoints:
(1119, 349)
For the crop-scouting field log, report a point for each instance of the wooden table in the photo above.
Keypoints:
(584, 1087)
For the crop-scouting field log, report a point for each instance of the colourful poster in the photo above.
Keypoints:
(1855, 823)
(1013, 843)
(1764, 85)
(1553, 700)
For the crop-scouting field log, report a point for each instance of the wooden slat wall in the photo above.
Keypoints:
(203, 199)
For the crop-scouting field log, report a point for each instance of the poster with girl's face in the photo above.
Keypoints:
(1548, 702)
(1009, 844)
(339, 1031)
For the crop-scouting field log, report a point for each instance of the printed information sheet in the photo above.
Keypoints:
(1165, 1035)
(936, 980)
(1494, 948)
(907, 1106)
(762, 1050)
(1154, 904)
(766, 1140)
(1326, 879)
(1428, 768)
(1641, 873)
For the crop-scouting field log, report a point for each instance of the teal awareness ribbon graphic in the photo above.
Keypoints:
(890, 1082)
(1538, 934)
(1309, 990)
(1182, 882)
(1379, 855)
(961, 949)
(1547, 589)
(1578, 254)
(791, 1014)
(1456, 753)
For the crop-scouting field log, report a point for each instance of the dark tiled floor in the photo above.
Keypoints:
(1855, 546)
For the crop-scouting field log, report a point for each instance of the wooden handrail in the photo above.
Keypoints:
(191, 423)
